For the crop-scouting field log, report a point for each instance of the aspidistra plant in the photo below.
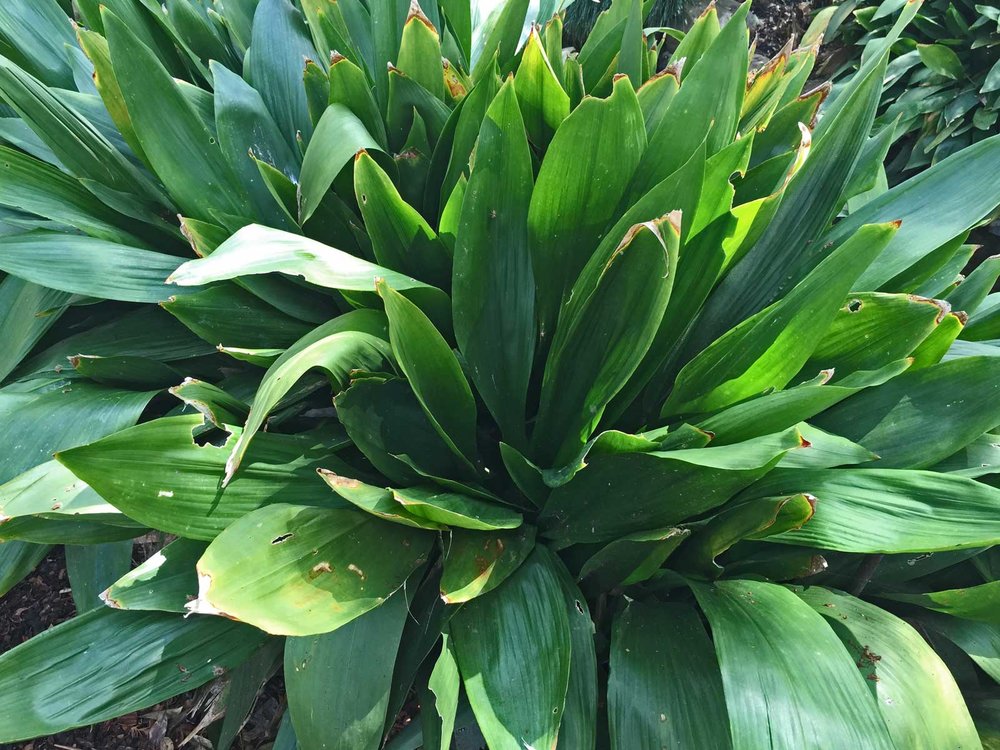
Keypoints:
(565, 401)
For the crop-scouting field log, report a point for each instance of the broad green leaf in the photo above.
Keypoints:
(134, 470)
(43, 36)
(453, 509)
(353, 341)
(378, 501)
(72, 138)
(888, 510)
(752, 519)
(27, 311)
(631, 559)
(476, 563)
(978, 458)
(621, 494)
(584, 174)
(412, 107)
(17, 560)
(279, 47)
(789, 248)
(338, 137)
(245, 126)
(980, 640)
(219, 407)
(165, 582)
(62, 418)
(664, 686)
(433, 372)
(518, 634)
(228, 315)
(872, 330)
(401, 238)
(544, 103)
(468, 117)
(420, 52)
(697, 40)
(120, 661)
(771, 643)
(49, 490)
(919, 700)
(182, 150)
(89, 266)
(125, 372)
(973, 291)
(31, 185)
(299, 570)
(445, 682)
(941, 59)
(825, 451)
(257, 249)
(781, 409)
(338, 683)
(922, 416)
(936, 205)
(92, 568)
(706, 108)
(766, 350)
(493, 289)
(579, 726)
(388, 425)
(981, 603)
(498, 36)
(604, 331)
(349, 88)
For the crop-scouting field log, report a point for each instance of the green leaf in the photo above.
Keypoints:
(517, 634)
(353, 341)
(771, 643)
(245, 126)
(649, 704)
(544, 103)
(89, 266)
(31, 185)
(338, 683)
(888, 510)
(621, 494)
(92, 568)
(433, 372)
(919, 700)
(165, 582)
(401, 238)
(17, 560)
(27, 311)
(62, 418)
(980, 640)
(256, 250)
(279, 47)
(420, 52)
(475, 563)
(378, 501)
(586, 169)
(41, 33)
(134, 470)
(871, 330)
(936, 205)
(445, 683)
(453, 509)
(978, 458)
(120, 661)
(298, 570)
(981, 603)
(498, 36)
(781, 409)
(349, 88)
(604, 331)
(493, 290)
(923, 416)
(789, 248)
(941, 59)
(766, 350)
(631, 559)
(338, 137)
(178, 145)
(706, 108)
